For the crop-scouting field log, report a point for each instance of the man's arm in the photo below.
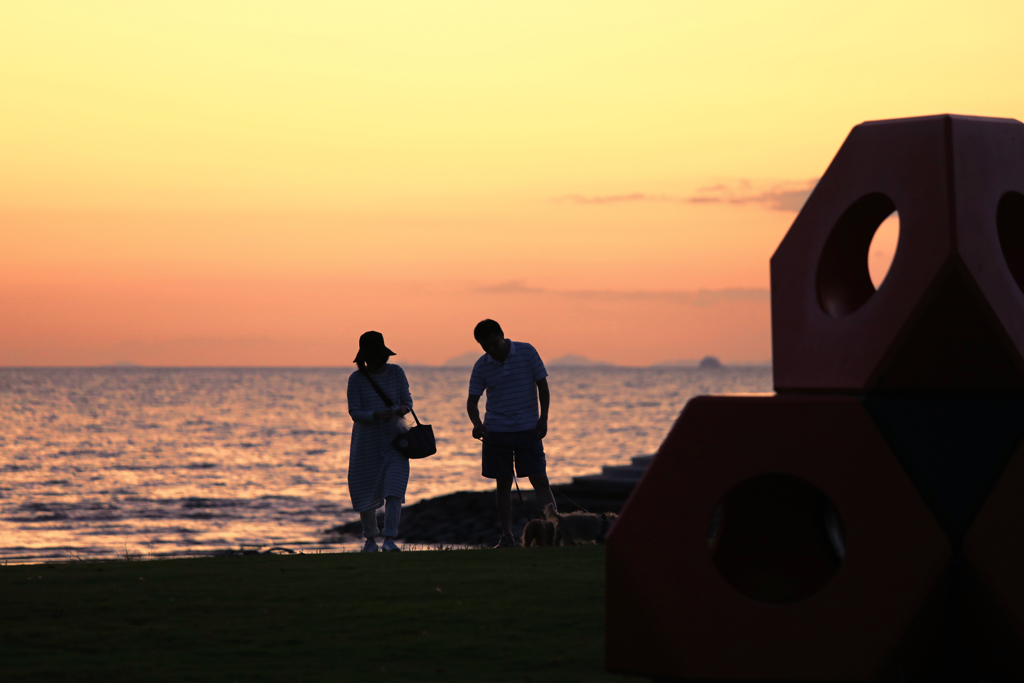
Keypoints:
(544, 393)
(473, 408)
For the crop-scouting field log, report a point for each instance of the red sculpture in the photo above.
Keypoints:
(866, 522)
(950, 314)
(673, 611)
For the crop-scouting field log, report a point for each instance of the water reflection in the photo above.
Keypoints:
(94, 462)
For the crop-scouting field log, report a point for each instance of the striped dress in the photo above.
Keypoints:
(375, 469)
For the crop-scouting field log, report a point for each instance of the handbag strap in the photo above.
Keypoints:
(380, 392)
(384, 397)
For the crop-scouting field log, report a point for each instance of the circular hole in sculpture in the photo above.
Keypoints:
(883, 248)
(1010, 224)
(777, 539)
(845, 281)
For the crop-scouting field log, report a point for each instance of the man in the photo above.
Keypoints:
(513, 375)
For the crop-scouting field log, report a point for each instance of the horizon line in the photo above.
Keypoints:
(135, 366)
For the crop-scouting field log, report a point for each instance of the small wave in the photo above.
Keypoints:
(211, 503)
(89, 451)
(51, 517)
(18, 468)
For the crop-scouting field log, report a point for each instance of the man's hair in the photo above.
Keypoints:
(485, 328)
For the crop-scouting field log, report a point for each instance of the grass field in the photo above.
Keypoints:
(467, 615)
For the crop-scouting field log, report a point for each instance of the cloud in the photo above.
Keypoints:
(783, 196)
(700, 297)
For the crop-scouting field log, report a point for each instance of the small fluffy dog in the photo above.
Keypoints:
(574, 528)
(538, 532)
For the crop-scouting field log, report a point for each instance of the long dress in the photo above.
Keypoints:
(375, 469)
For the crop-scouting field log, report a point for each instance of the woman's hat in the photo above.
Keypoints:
(371, 346)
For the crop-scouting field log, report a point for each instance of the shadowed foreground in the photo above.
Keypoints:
(472, 615)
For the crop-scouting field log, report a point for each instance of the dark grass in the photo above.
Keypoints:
(467, 615)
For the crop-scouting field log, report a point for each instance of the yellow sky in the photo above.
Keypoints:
(256, 183)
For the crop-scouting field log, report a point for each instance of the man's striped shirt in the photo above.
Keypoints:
(511, 388)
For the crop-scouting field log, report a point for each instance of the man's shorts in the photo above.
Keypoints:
(500, 448)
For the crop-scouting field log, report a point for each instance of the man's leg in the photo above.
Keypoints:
(503, 499)
(542, 487)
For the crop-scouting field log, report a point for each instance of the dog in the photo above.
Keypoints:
(574, 528)
(538, 532)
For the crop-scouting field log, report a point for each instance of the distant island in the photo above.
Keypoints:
(572, 360)
(708, 362)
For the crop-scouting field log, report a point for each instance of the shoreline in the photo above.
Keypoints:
(458, 519)
(470, 517)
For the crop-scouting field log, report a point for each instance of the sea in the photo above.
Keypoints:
(105, 463)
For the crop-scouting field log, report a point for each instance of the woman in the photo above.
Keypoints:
(377, 473)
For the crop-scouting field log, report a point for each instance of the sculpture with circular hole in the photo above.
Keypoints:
(950, 313)
(773, 538)
(865, 523)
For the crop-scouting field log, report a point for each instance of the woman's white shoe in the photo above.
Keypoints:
(390, 547)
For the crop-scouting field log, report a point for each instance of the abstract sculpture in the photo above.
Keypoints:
(866, 522)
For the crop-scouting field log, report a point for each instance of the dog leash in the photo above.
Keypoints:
(578, 506)
(515, 480)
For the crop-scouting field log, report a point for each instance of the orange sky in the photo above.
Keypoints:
(251, 183)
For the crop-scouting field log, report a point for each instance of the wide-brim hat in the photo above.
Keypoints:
(371, 346)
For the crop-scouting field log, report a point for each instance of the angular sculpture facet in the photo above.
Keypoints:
(950, 313)
(672, 610)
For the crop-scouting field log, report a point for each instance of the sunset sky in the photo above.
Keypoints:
(257, 183)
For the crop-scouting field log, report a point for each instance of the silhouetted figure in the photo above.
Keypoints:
(377, 473)
(513, 376)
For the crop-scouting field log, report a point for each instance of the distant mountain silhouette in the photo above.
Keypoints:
(710, 362)
(570, 360)
(466, 360)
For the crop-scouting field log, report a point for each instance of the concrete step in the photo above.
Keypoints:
(633, 472)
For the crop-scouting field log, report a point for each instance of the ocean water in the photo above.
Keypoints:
(99, 463)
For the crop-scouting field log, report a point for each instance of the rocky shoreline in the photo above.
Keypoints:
(470, 518)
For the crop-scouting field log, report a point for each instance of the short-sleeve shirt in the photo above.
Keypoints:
(511, 388)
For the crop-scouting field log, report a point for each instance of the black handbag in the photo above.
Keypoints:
(416, 443)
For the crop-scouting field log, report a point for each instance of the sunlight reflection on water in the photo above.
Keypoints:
(97, 462)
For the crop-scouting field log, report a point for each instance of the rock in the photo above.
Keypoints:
(470, 518)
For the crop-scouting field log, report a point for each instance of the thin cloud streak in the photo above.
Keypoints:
(700, 297)
(786, 196)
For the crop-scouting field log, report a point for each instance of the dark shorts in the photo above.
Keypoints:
(500, 448)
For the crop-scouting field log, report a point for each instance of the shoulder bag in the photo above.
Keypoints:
(416, 443)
